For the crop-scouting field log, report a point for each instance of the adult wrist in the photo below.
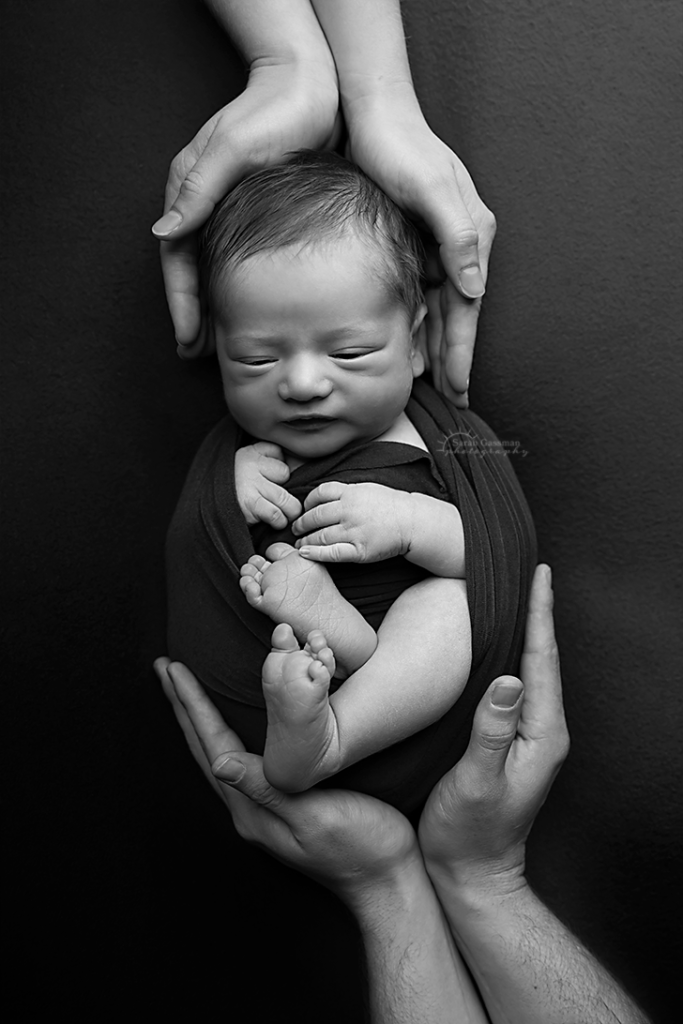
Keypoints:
(274, 32)
(308, 88)
(299, 68)
(390, 893)
(378, 97)
(477, 888)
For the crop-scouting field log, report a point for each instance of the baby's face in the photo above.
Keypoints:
(314, 352)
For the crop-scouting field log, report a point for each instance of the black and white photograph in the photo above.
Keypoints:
(341, 458)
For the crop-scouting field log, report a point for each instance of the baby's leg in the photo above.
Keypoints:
(417, 672)
(420, 668)
(294, 590)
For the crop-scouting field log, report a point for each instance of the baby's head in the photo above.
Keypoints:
(312, 281)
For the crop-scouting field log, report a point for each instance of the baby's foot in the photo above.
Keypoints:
(301, 593)
(302, 738)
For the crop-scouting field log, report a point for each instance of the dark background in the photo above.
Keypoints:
(131, 882)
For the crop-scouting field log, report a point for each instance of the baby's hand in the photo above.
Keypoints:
(354, 523)
(260, 471)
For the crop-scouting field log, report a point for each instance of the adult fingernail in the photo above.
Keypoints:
(168, 223)
(186, 350)
(472, 283)
(229, 770)
(506, 695)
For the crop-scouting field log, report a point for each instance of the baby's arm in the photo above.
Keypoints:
(369, 522)
(260, 472)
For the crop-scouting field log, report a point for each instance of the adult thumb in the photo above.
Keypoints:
(200, 176)
(449, 220)
(495, 724)
(244, 773)
(193, 205)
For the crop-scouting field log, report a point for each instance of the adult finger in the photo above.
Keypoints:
(214, 734)
(181, 281)
(449, 208)
(191, 738)
(540, 663)
(434, 334)
(460, 317)
(200, 175)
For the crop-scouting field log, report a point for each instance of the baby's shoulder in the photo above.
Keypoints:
(404, 432)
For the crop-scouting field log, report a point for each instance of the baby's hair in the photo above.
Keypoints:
(312, 197)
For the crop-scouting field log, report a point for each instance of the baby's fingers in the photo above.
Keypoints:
(331, 490)
(277, 506)
(271, 462)
(341, 552)
(317, 518)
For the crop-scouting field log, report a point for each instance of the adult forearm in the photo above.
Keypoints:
(529, 968)
(415, 973)
(368, 44)
(272, 30)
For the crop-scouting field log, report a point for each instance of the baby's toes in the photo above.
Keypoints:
(283, 639)
(250, 572)
(318, 647)
(251, 589)
(259, 562)
(319, 673)
(315, 641)
(280, 549)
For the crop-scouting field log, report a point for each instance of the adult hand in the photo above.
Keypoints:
(346, 841)
(286, 106)
(391, 140)
(475, 824)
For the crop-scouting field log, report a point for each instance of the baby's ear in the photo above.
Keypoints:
(418, 337)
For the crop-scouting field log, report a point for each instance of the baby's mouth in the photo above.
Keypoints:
(309, 422)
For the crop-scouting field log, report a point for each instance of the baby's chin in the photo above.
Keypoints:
(307, 450)
(306, 444)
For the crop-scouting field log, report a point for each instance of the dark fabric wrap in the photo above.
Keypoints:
(225, 641)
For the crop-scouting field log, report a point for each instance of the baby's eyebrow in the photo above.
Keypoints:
(255, 339)
(349, 331)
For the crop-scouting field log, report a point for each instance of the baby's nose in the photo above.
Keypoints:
(304, 380)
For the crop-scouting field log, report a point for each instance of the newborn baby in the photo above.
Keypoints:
(312, 278)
